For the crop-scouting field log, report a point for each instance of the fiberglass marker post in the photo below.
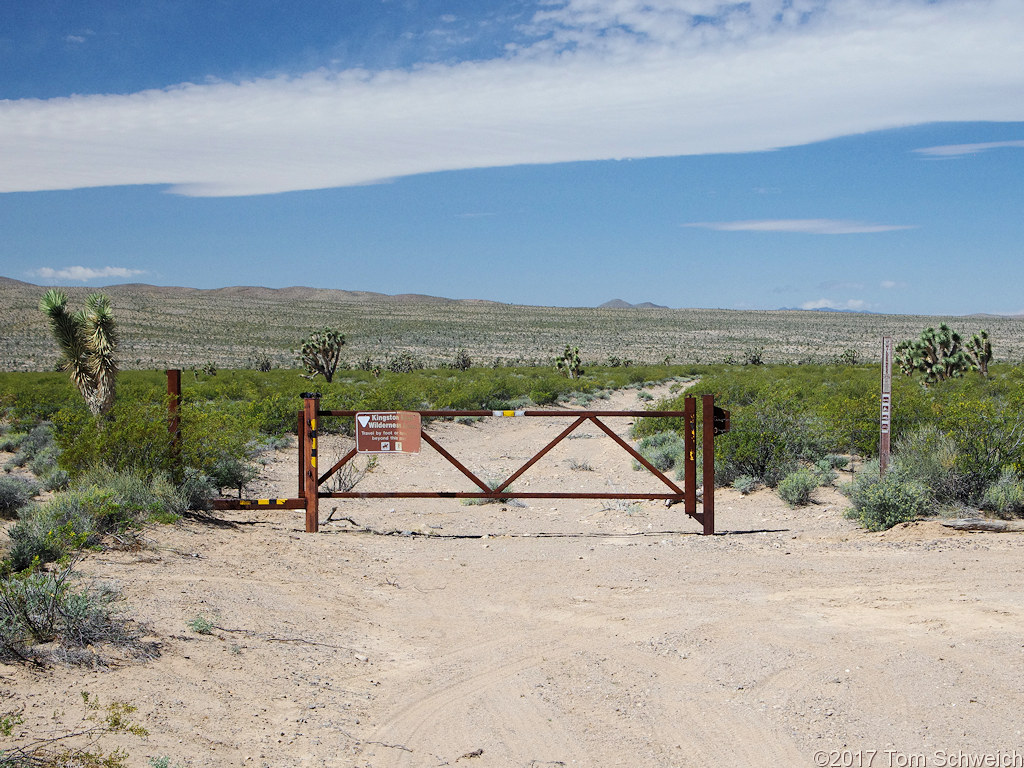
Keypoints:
(885, 420)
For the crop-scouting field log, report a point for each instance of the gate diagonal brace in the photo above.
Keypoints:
(537, 457)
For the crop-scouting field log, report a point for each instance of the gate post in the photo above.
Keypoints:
(707, 453)
(300, 433)
(690, 459)
(307, 443)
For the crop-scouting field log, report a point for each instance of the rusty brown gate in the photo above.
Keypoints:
(310, 477)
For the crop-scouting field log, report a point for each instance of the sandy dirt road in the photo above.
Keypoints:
(559, 633)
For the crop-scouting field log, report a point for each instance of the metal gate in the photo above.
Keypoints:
(310, 479)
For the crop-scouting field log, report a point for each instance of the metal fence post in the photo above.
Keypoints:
(311, 402)
(707, 453)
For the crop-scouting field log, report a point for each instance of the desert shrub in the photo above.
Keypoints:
(196, 490)
(988, 433)
(795, 488)
(663, 450)
(74, 746)
(928, 456)
(1005, 497)
(765, 442)
(11, 441)
(200, 625)
(836, 460)
(48, 607)
(879, 503)
(745, 484)
(15, 492)
(461, 362)
(274, 414)
(134, 438)
(543, 396)
(102, 502)
(50, 531)
(824, 472)
(227, 471)
(215, 442)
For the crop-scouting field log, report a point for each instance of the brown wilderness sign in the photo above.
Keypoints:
(388, 432)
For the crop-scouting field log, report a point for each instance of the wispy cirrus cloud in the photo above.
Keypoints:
(854, 304)
(586, 80)
(959, 150)
(800, 226)
(85, 274)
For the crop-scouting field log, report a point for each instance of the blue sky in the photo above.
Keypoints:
(852, 154)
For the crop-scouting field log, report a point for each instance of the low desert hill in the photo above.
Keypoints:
(179, 327)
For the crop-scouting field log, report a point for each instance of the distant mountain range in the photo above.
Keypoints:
(620, 304)
(827, 309)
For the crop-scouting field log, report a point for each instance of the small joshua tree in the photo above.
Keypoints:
(87, 341)
(321, 352)
(980, 350)
(569, 363)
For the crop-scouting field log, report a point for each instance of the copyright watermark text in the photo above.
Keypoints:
(894, 758)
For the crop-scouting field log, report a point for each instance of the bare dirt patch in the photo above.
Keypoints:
(558, 633)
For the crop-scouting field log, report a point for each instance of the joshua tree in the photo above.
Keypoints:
(569, 363)
(321, 352)
(87, 341)
(980, 349)
(937, 354)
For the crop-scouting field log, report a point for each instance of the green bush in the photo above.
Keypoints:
(1005, 497)
(879, 503)
(215, 441)
(795, 488)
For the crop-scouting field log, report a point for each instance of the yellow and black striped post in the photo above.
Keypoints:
(308, 441)
(690, 459)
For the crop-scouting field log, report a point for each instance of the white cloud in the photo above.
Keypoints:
(890, 284)
(959, 150)
(830, 304)
(802, 226)
(84, 274)
(604, 79)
